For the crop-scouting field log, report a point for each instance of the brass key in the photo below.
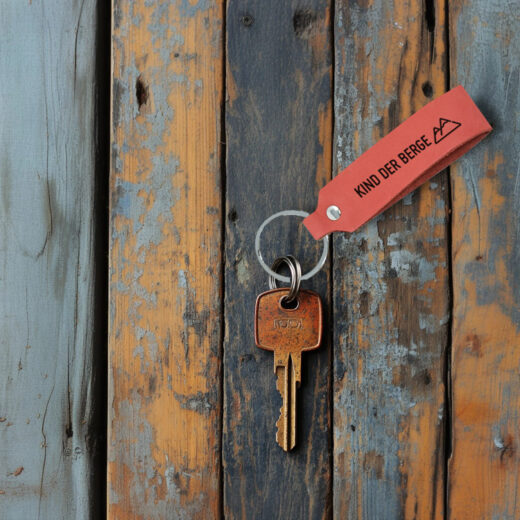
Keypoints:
(288, 332)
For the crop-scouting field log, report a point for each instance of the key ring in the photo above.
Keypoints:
(296, 276)
(270, 272)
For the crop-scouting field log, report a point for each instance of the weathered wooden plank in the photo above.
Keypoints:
(49, 446)
(278, 126)
(165, 280)
(391, 289)
(484, 468)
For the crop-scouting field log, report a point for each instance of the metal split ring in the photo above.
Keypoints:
(296, 276)
(271, 272)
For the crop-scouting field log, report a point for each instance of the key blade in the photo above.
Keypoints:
(286, 424)
(282, 384)
(292, 408)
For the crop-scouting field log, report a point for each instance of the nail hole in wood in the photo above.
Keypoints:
(302, 21)
(247, 20)
(232, 215)
(141, 92)
(427, 89)
(363, 303)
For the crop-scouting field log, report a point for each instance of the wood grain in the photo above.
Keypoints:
(484, 468)
(278, 128)
(165, 279)
(49, 445)
(391, 280)
(176, 383)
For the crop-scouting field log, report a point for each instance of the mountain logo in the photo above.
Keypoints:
(445, 128)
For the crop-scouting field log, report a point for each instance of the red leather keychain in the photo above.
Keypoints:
(412, 153)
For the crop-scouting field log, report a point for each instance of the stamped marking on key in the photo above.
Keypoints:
(288, 332)
(288, 323)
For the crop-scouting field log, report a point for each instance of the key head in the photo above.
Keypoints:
(286, 330)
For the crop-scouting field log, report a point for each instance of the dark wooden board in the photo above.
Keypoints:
(391, 283)
(278, 131)
(484, 476)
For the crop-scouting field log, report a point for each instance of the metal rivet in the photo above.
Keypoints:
(333, 212)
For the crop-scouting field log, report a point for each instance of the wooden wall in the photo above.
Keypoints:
(129, 379)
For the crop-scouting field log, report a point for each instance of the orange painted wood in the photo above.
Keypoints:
(484, 470)
(391, 279)
(165, 260)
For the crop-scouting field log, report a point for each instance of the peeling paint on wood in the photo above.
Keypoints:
(385, 456)
(484, 468)
(165, 280)
(391, 290)
(49, 465)
(278, 128)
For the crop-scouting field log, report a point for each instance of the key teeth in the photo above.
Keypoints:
(282, 437)
(285, 439)
(280, 431)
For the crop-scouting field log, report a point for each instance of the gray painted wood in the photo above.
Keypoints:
(391, 284)
(278, 154)
(47, 279)
(484, 471)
